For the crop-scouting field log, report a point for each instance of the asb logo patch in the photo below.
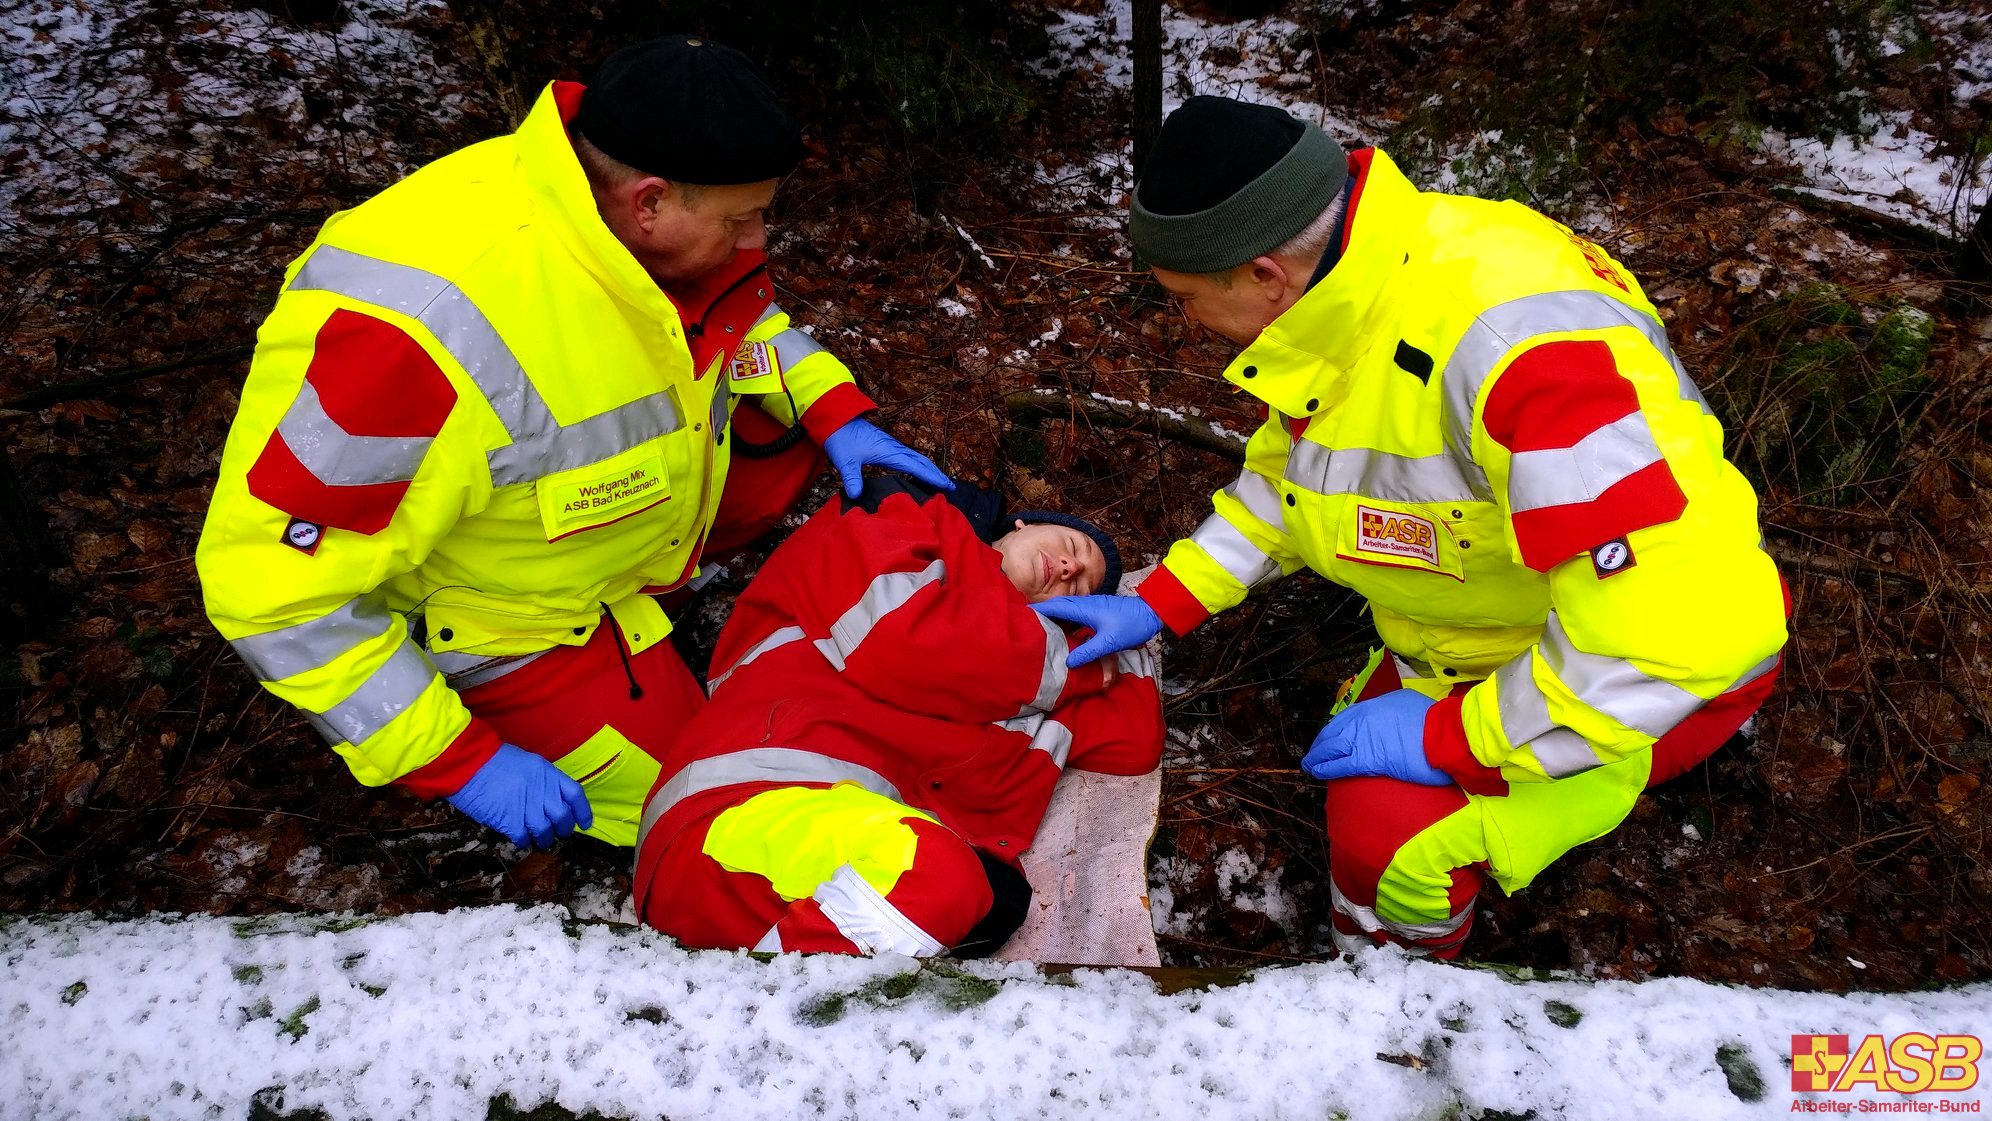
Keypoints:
(303, 536)
(755, 370)
(1396, 534)
(1611, 558)
(1911, 1063)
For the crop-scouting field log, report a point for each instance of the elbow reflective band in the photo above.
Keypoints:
(336, 457)
(869, 919)
(1252, 491)
(384, 695)
(1584, 471)
(1047, 735)
(1233, 552)
(540, 444)
(1051, 680)
(781, 637)
(884, 594)
(1614, 686)
(791, 344)
(1138, 662)
(315, 643)
(759, 764)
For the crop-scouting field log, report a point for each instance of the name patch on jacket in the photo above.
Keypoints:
(1393, 533)
(601, 493)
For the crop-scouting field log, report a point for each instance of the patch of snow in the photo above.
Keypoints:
(437, 1015)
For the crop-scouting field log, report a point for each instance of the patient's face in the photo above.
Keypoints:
(1050, 560)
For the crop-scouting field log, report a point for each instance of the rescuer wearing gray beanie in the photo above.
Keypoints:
(1230, 181)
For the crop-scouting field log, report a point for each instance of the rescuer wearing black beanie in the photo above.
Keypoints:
(690, 110)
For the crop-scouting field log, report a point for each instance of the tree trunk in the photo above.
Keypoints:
(1974, 258)
(25, 557)
(1147, 78)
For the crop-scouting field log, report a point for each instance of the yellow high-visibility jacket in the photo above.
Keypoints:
(471, 406)
(1475, 421)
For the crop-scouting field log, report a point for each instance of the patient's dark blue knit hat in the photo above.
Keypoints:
(1108, 586)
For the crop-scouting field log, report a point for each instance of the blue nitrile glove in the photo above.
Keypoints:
(1381, 736)
(861, 442)
(1118, 622)
(523, 796)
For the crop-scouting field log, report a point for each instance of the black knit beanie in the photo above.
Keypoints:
(1110, 585)
(1228, 181)
(689, 110)
(1006, 914)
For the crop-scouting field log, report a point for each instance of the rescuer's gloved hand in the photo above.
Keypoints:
(1381, 736)
(861, 442)
(524, 796)
(1118, 622)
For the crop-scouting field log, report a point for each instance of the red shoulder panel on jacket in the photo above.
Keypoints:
(374, 380)
(278, 478)
(1555, 394)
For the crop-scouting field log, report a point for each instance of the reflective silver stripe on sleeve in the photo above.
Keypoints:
(1616, 687)
(1051, 680)
(384, 695)
(1368, 919)
(1138, 662)
(869, 919)
(1585, 470)
(1498, 330)
(337, 458)
(781, 637)
(540, 444)
(315, 643)
(1753, 673)
(885, 594)
(792, 344)
(1375, 474)
(1563, 753)
(1256, 494)
(760, 764)
(1234, 553)
(1525, 721)
(1047, 735)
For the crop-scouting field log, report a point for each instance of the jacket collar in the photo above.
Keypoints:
(1299, 364)
(552, 176)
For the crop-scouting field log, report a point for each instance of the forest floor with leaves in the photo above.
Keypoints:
(1846, 846)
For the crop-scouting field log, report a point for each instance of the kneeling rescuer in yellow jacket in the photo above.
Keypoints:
(490, 418)
(1475, 421)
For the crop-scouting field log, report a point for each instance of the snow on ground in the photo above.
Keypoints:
(82, 86)
(437, 1015)
(1893, 169)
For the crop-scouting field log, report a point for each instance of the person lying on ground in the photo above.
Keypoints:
(888, 717)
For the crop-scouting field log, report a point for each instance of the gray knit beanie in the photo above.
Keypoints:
(1229, 181)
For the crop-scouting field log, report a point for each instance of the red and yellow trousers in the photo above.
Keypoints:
(1406, 862)
(575, 704)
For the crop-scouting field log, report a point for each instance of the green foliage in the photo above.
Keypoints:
(1740, 1071)
(1821, 392)
(934, 65)
(952, 988)
(1562, 1014)
(148, 645)
(923, 58)
(294, 1025)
